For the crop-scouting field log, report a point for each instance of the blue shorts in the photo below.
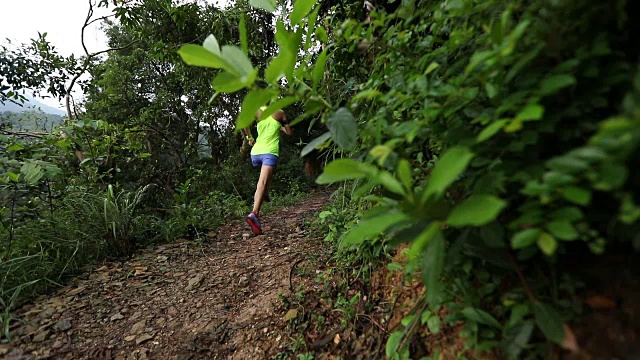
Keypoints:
(264, 159)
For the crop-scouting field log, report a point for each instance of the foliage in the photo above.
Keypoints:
(498, 138)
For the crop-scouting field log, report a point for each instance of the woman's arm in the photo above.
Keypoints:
(282, 118)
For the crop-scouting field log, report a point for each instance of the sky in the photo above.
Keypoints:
(22, 20)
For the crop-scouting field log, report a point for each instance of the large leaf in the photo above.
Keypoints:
(278, 105)
(211, 44)
(480, 316)
(346, 169)
(476, 210)
(315, 143)
(250, 105)
(432, 266)
(278, 66)
(319, 68)
(239, 61)
(268, 5)
(368, 228)
(549, 322)
(227, 82)
(344, 130)
(197, 55)
(243, 35)
(300, 9)
(447, 170)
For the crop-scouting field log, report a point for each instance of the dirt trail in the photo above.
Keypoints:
(218, 300)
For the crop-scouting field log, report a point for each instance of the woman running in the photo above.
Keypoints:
(264, 154)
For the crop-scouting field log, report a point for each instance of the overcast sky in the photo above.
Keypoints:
(62, 20)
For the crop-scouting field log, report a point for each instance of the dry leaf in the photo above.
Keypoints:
(600, 302)
(336, 339)
(76, 291)
(569, 342)
(130, 338)
(291, 314)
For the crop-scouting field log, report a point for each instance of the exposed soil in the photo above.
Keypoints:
(219, 299)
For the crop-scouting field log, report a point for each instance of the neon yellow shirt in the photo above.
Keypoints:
(268, 141)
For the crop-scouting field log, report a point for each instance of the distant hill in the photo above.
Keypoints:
(30, 120)
(31, 105)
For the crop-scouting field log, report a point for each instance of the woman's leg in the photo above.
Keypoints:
(265, 177)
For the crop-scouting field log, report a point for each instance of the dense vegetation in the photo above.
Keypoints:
(493, 142)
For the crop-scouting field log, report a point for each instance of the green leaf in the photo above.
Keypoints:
(368, 228)
(315, 143)
(14, 148)
(476, 211)
(434, 65)
(434, 324)
(549, 322)
(243, 35)
(568, 213)
(480, 316)
(211, 44)
(319, 68)
(525, 238)
(346, 169)
(196, 55)
(278, 105)
(531, 112)
(300, 9)
(553, 84)
(278, 66)
(563, 230)
(404, 173)
(250, 105)
(240, 62)
(407, 320)
(389, 182)
(32, 172)
(392, 344)
(449, 167)
(577, 195)
(268, 5)
(344, 130)
(547, 243)
(227, 82)
(13, 176)
(423, 239)
(432, 266)
(491, 130)
(321, 34)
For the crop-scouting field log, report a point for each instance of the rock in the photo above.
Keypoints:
(57, 344)
(117, 316)
(194, 282)
(143, 338)
(246, 235)
(64, 325)
(138, 327)
(130, 338)
(172, 311)
(41, 336)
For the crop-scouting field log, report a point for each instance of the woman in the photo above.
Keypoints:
(264, 154)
